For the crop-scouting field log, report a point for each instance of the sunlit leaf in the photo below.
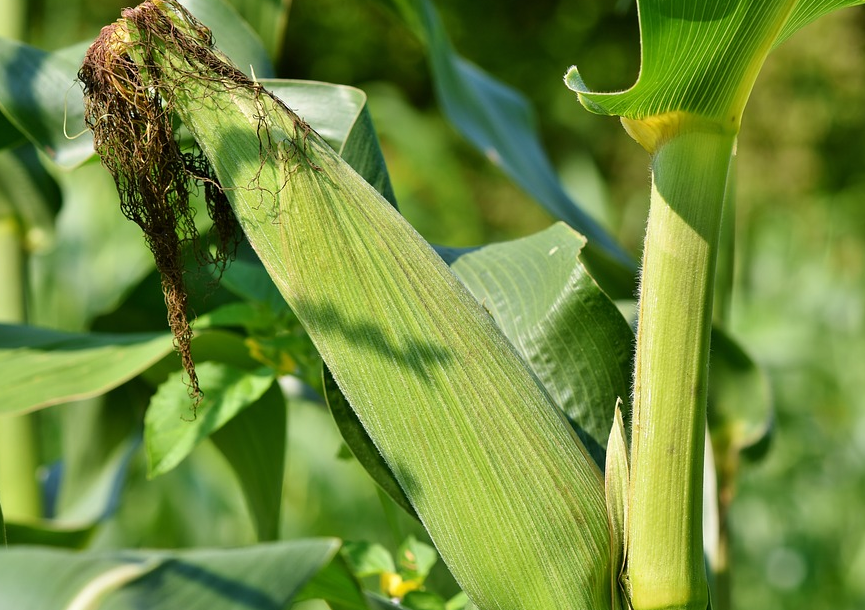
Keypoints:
(361, 445)
(807, 11)
(262, 577)
(45, 367)
(567, 330)
(719, 46)
(253, 442)
(171, 430)
(340, 115)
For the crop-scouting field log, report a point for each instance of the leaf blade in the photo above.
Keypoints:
(78, 365)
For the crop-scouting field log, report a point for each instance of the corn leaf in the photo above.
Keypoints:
(340, 115)
(807, 11)
(254, 442)
(499, 122)
(463, 424)
(268, 18)
(566, 329)
(96, 499)
(262, 577)
(38, 96)
(95, 257)
(361, 445)
(77, 365)
(720, 46)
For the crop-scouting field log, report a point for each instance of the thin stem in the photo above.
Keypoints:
(665, 549)
(19, 490)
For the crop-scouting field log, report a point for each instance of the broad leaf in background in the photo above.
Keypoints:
(233, 36)
(38, 95)
(9, 134)
(740, 401)
(262, 577)
(28, 194)
(568, 331)
(499, 122)
(336, 585)
(269, 18)
(77, 365)
(404, 340)
(171, 430)
(96, 500)
(340, 115)
(254, 442)
(95, 258)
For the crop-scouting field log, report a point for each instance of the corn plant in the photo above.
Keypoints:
(481, 389)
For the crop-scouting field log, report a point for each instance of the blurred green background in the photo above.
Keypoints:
(799, 298)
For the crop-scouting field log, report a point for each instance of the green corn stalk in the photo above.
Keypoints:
(699, 63)
(506, 490)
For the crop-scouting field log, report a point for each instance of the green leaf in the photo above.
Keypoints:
(262, 577)
(567, 330)
(616, 485)
(361, 446)
(269, 18)
(233, 35)
(336, 585)
(367, 558)
(423, 600)
(97, 256)
(340, 115)
(9, 134)
(807, 11)
(253, 442)
(171, 430)
(499, 122)
(699, 64)
(460, 420)
(38, 95)
(94, 498)
(740, 401)
(416, 559)
(45, 367)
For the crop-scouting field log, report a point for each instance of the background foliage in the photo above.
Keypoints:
(799, 297)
